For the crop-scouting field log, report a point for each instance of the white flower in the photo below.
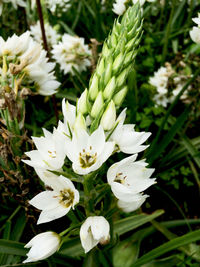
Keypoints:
(195, 35)
(51, 34)
(128, 178)
(133, 205)
(195, 32)
(69, 113)
(42, 246)
(119, 7)
(71, 53)
(50, 153)
(57, 203)
(15, 3)
(33, 68)
(126, 138)
(197, 20)
(58, 5)
(161, 100)
(88, 152)
(93, 231)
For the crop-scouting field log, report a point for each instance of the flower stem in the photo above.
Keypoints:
(88, 187)
(167, 33)
(45, 45)
(40, 14)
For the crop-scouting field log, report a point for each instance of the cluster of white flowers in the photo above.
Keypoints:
(72, 53)
(58, 5)
(15, 3)
(195, 32)
(87, 152)
(26, 61)
(160, 80)
(51, 34)
(120, 6)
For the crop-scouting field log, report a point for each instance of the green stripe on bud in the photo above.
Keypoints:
(119, 97)
(82, 102)
(110, 88)
(93, 90)
(109, 117)
(97, 106)
(79, 123)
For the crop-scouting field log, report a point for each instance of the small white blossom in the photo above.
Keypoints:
(57, 203)
(71, 53)
(50, 153)
(119, 6)
(128, 178)
(93, 231)
(58, 5)
(33, 65)
(42, 246)
(195, 32)
(88, 152)
(15, 3)
(195, 35)
(51, 34)
(126, 138)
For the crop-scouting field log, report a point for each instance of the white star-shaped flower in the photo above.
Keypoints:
(88, 152)
(57, 203)
(93, 231)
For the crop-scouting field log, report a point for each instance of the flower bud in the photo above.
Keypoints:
(106, 50)
(82, 102)
(108, 71)
(110, 88)
(109, 117)
(122, 77)
(79, 122)
(93, 90)
(97, 106)
(118, 61)
(100, 67)
(94, 230)
(119, 97)
(42, 246)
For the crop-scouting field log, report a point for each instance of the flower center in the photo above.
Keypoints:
(87, 159)
(120, 178)
(52, 154)
(66, 197)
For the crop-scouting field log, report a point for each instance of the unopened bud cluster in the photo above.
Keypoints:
(107, 87)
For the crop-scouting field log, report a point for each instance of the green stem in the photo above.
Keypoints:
(167, 33)
(88, 187)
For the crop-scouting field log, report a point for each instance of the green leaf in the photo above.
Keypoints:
(12, 247)
(168, 246)
(191, 149)
(132, 222)
(125, 253)
(160, 147)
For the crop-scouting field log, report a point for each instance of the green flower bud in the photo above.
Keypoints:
(119, 97)
(108, 71)
(109, 117)
(118, 62)
(97, 106)
(93, 90)
(100, 67)
(82, 102)
(79, 122)
(122, 77)
(110, 88)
